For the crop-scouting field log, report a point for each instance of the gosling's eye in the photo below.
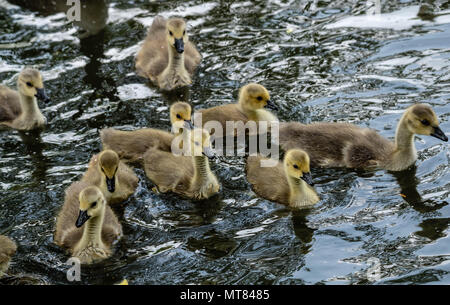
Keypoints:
(296, 166)
(29, 84)
(196, 143)
(178, 116)
(93, 204)
(259, 98)
(170, 32)
(425, 122)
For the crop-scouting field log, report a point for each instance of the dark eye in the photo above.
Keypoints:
(170, 32)
(425, 122)
(29, 84)
(296, 166)
(93, 204)
(196, 143)
(259, 98)
(178, 116)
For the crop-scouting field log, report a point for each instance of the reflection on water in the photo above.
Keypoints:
(408, 183)
(34, 148)
(319, 63)
(93, 14)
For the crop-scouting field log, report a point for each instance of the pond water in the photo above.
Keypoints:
(320, 60)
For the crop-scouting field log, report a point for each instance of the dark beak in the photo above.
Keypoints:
(41, 95)
(308, 178)
(179, 45)
(271, 105)
(111, 184)
(82, 218)
(188, 125)
(438, 133)
(209, 152)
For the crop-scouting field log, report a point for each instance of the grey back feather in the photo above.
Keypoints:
(336, 144)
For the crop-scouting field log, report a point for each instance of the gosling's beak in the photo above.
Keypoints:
(179, 45)
(188, 124)
(307, 178)
(438, 133)
(41, 95)
(82, 218)
(271, 105)
(209, 152)
(111, 184)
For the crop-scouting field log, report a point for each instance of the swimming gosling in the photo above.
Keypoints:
(131, 145)
(289, 183)
(116, 180)
(253, 99)
(167, 57)
(86, 225)
(347, 145)
(189, 176)
(19, 110)
(7, 249)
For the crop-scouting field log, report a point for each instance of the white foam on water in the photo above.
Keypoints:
(55, 72)
(49, 22)
(392, 63)
(58, 36)
(116, 54)
(196, 10)
(436, 62)
(157, 249)
(162, 108)
(119, 15)
(339, 88)
(402, 19)
(5, 67)
(134, 92)
(6, 5)
(69, 136)
(372, 100)
(414, 82)
(249, 232)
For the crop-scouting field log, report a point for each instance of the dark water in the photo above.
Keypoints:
(366, 73)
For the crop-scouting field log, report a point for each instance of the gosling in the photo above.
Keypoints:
(19, 110)
(347, 145)
(189, 176)
(7, 249)
(167, 57)
(116, 180)
(131, 145)
(288, 183)
(86, 206)
(253, 98)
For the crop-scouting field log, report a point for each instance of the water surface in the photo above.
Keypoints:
(319, 62)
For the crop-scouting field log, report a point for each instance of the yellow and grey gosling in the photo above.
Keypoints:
(189, 176)
(289, 183)
(116, 180)
(167, 57)
(347, 145)
(19, 110)
(131, 145)
(86, 225)
(253, 98)
(7, 249)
